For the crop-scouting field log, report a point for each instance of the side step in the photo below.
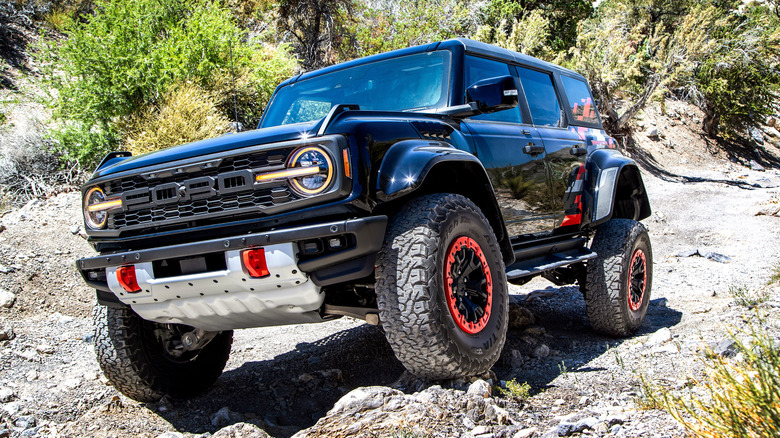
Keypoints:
(535, 260)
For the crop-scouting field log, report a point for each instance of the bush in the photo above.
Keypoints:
(122, 60)
(738, 398)
(187, 113)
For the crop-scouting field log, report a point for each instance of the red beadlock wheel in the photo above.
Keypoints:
(468, 285)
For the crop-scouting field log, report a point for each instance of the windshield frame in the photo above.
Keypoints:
(365, 65)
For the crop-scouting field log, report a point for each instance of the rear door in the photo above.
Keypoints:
(513, 154)
(564, 149)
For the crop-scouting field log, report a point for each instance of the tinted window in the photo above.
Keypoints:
(409, 83)
(540, 93)
(580, 100)
(480, 68)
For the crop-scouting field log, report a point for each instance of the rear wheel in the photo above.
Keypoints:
(620, 278)
(145, 360)
(441, 288)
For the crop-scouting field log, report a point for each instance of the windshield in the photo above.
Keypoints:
(409, 83)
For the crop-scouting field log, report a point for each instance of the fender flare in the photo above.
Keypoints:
(411, 166)
(607, 169)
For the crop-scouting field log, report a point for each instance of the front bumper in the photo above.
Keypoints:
(226, 297)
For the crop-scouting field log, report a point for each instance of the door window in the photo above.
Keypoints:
(481, 68)
(580, 100)
(541, 97)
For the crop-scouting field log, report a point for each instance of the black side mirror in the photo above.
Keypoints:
(493, 94)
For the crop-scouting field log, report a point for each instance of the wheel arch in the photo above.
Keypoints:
(616, 187)
(415, 168)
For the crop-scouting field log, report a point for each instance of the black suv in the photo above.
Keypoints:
(406, 189)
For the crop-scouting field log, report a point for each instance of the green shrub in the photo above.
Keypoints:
(120, 61)
(187, 113)
(738, 398)
(517, 390)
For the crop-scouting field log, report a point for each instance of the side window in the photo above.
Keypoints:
(480, 68)
(580, 100)
(541, 97)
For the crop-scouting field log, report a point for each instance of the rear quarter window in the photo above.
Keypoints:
(581, 104)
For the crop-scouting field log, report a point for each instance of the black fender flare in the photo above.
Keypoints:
(424, 166)
(608, 172)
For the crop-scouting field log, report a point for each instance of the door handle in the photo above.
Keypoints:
(533, 149)
(578, 150)
(526, 132)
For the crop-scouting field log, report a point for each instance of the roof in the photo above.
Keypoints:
(471, 46)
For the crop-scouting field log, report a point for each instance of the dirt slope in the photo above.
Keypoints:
(285, 379)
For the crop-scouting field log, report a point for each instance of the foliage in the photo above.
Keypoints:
(528, 35)
(775, 278)
(738, 398)
(746, 297)
(517, 390)
(409, 24)
(186, 113)
(120, 61)
(740, 80)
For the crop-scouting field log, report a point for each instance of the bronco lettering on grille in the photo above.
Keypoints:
(189, 190)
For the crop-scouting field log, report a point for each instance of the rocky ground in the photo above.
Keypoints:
(716, 239)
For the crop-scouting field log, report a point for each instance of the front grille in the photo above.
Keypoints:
(242, 202)
(228, 164)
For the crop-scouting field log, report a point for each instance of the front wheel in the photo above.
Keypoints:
(144, 360)
(441, 288)
(619, 279)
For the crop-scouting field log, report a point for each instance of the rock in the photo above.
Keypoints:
(717, 257)
(222, 417)
(31, 376)
(600, 427)
(566, 428)
(519, 316)
(517, 359)
(480, 388)
(466, 421)
(71, 384)
(6, 269)
(587, 423)
(668, 348)
(653, 134)
(725, 347)
(7, 299)
(495, 414)
(74, 229)
(479, 430)
(25, 422)
(171, 435)
(5, 433)
(616, 429)
(659, 302)
(757, 167)
(362, 399)
(528, 432)
(659, 337)
(6, 395)
(541, 351)
(756, 135)
(6, 331)
(241, 430)
(44, 349)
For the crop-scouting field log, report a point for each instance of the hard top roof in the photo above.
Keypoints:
(471, 46)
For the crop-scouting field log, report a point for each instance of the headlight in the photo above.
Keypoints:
(316, 170)
(96, 207)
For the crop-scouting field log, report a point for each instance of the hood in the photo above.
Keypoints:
(223, 143)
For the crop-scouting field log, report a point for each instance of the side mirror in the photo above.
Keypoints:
(493, 94)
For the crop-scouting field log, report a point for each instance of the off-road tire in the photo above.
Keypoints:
(418, 323)
(135, 362)
(611, 309)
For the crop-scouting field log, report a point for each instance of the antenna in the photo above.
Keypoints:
(236, 124)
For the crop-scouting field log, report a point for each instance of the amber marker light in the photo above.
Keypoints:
(347, 167)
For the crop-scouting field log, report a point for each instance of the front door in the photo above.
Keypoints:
(513, 155)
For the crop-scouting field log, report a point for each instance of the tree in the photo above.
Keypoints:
(319, 29)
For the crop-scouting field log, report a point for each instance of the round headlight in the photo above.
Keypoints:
(320, 173)
(95, 219)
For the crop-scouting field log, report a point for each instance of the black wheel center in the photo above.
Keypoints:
(470, 283)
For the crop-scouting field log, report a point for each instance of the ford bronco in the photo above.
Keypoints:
(406, 189)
